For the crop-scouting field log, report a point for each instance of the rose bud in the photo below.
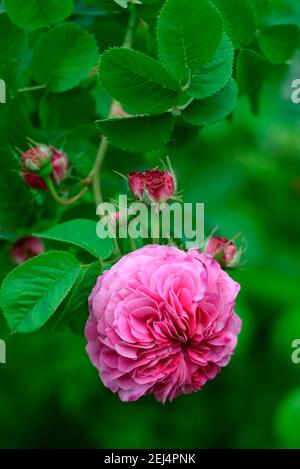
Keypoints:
(152, 185)
(60, 165)
(25, 248)
(136, 184)
(42, 161)
(224, 251)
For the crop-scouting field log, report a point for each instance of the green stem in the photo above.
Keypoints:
(58, 199)
(127, 44)
(32, 88)
(96, 171)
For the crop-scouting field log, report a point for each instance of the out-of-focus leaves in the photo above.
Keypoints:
(34, 14)
(60, 112)
(251, 70)
(287, 420)
(13, 54)
(279, 42)
(17, 204)
(240, 21)
(108, 33)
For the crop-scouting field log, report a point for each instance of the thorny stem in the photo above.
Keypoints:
(96, 171)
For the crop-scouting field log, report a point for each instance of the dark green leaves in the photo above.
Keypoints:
(138, 134)
(13, 49)
(77, 301)
(210, 78)
(210, 110)
(240, 22)
(188, 35)
(33, 14)
(279, 42)
(251, 69)
(138, 81)
(63, 57)
(33, 291)
(81, 233)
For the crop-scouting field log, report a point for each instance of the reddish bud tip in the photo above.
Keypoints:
(25, 248)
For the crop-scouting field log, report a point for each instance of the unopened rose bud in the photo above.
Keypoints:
(25, 248)
(152, 185)
(60, 165)
(136, 184)
(42, 161)
(224, 251)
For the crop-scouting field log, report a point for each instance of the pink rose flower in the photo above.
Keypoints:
(25, 248)
(153, 185)
(162, 321)
(223, 250)
(35, 159)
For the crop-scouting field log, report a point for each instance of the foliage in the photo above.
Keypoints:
(175, 83)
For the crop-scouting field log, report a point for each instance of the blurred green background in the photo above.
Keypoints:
(247, 172)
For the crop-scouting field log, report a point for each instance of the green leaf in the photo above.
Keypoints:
(13, 50)
(32, 292)
(188, 35)
(240, 21)
(81, 233)
(214, 75)
(69, 110)
(250, 71)
(212, 109)
(77, 300)
(63, 57)
(78, 322)
(261, 8)
(33, 14)
(138, 134)
(279, 42)
(137, 81)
